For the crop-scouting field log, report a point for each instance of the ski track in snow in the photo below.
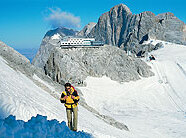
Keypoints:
(171, 92)
(181, 68)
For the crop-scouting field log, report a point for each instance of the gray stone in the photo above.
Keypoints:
(141, 49)
(86, 30)
(48, 44)
(62, 32)
(121, 28)
(74, 65)
(20, 63)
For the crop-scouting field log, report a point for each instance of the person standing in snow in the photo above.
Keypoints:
(152, 57)
(70, 97)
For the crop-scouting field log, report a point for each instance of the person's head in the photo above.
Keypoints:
(67, 86)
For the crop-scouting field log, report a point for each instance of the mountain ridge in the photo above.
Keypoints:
(121, 28)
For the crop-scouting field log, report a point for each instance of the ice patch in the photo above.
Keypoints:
(56, 36)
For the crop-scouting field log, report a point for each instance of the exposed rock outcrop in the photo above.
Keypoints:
(121, 28)
(48, 44)
(141, 50)
(74, 65)
(118, 27)
(20, 63)
(87, 29)
(62, 32)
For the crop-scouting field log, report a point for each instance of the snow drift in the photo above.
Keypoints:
(37, 127)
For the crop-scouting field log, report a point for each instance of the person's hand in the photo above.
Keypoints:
(65, 97)
(72, 97)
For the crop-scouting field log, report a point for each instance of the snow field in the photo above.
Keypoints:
(150, 107)
(21, 97)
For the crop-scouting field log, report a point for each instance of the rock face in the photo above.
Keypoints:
(121, 28)
(143, 49)
(12, 56)
(20, 63)
(111, 25)
(48, 44)
(74, 65)
(62, 32)
(86, 30)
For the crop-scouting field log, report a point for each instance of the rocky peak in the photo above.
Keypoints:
(167, 15)
(49, 42)
(147, 13)
(62, 31)
(121, 28)
(11, 55)
(184, 28)
(86, 30)
(121, 8)
(111, 24)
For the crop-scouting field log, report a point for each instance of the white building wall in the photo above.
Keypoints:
(77, 41)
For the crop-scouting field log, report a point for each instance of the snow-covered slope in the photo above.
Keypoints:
(152, 107)
(21, 96)
(56, 36)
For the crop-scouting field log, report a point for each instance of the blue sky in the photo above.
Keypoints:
(23, 23)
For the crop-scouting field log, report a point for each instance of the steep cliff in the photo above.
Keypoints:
(49, 43)
(121, 28)
(87, 29)
(74, 65)
(22, 65)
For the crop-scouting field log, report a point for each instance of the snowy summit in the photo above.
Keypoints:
(56, 36)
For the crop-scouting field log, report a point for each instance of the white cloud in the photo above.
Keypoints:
(58, 18)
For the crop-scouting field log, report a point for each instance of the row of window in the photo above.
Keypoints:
(70, 43)
(75, 39)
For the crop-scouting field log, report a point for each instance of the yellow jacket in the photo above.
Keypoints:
(69, 102)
